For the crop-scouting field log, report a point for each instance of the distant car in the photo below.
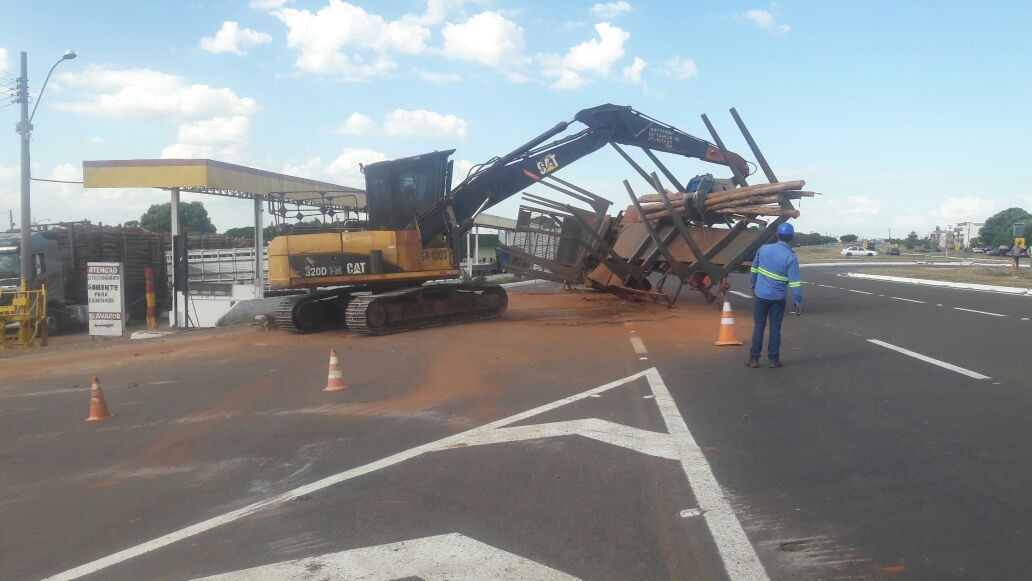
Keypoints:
(892, 252)
(977, 250)
(858, 251)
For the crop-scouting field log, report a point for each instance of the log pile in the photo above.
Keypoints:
(742, 203)
(136, 248)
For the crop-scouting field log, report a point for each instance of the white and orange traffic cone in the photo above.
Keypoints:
(727, 326)
(98, 407)
(334, 381)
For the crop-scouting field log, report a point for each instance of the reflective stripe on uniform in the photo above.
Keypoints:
(770, 274)
(794, 284)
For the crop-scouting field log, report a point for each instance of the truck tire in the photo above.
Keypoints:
(54, 323)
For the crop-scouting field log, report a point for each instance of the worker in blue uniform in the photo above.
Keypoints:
(775, 269)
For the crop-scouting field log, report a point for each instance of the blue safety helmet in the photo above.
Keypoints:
(786, 229)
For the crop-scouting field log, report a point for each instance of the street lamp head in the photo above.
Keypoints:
(69, 55)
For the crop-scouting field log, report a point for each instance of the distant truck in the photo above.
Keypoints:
(59, 256)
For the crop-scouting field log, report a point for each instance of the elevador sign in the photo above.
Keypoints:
(105, 289)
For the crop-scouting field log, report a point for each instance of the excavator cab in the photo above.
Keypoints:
(399, 189)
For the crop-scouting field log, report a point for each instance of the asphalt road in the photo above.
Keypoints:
(577, 437)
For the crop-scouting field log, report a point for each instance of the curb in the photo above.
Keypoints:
(522, 283)
(1010, 290)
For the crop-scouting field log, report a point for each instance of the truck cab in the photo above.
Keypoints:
(48, 269)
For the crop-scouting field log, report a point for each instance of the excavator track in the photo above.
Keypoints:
(312, 312)
(425, 306)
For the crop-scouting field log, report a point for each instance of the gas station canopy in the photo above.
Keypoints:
(219, 178)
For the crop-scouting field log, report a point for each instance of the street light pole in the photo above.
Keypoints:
(25, 130)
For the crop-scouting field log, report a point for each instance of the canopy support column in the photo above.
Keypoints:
(259, 248)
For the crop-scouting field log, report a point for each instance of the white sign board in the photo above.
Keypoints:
(105, 289)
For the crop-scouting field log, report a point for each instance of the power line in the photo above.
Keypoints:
(54, 181)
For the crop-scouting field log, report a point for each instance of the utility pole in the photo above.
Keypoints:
(25, 130)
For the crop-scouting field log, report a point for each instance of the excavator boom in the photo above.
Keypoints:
(502, 177)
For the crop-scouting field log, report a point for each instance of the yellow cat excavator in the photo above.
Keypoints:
(381, 279)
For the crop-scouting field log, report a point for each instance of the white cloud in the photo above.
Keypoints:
(966, 209)
(680, 68)
(592, 57)
(67, 172)
(266, 5)
(214, 122)
(423, 123)
(216, 130)
(489, 39)
(460, 170)
(218, 138)
(632, 72)
(233, 39)
(439, 78)
(863, 205)
(150, 94)
(358, 124)
(311, 169)
(343, 40)
(5, 62)
(405, 123)
(611, 9)
(97, 140)
(765, 20)
(345, 169)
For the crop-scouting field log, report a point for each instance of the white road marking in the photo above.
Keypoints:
(643, 359)
(214, 522)
(690, 512)
(859, 291)
(655, 444)
(979, 312)
(927, 359)
(438, 558)
(639, 347)
(738, 554)
(741, 294)
(907, 300)
(1024, 318)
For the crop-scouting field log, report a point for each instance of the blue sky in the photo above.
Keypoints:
(904, 114)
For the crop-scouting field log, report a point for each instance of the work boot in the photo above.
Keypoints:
(775, 363)
(752, 363)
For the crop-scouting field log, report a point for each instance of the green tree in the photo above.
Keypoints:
(848, 238)
(998, 228)
(194, 218)
(910, 241)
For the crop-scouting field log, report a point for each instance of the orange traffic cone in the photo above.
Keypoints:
(1014, 263)
(333, 379)
(727, 326)
(98, 407)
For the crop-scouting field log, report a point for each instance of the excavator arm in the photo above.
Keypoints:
(502, 177)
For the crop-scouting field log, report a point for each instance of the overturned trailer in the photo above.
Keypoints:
(695, 233)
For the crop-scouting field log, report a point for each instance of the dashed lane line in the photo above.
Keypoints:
(907, 300)
(859, 291)
(639, 346)
(927, 359)
(741, 294)
(979, 312)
